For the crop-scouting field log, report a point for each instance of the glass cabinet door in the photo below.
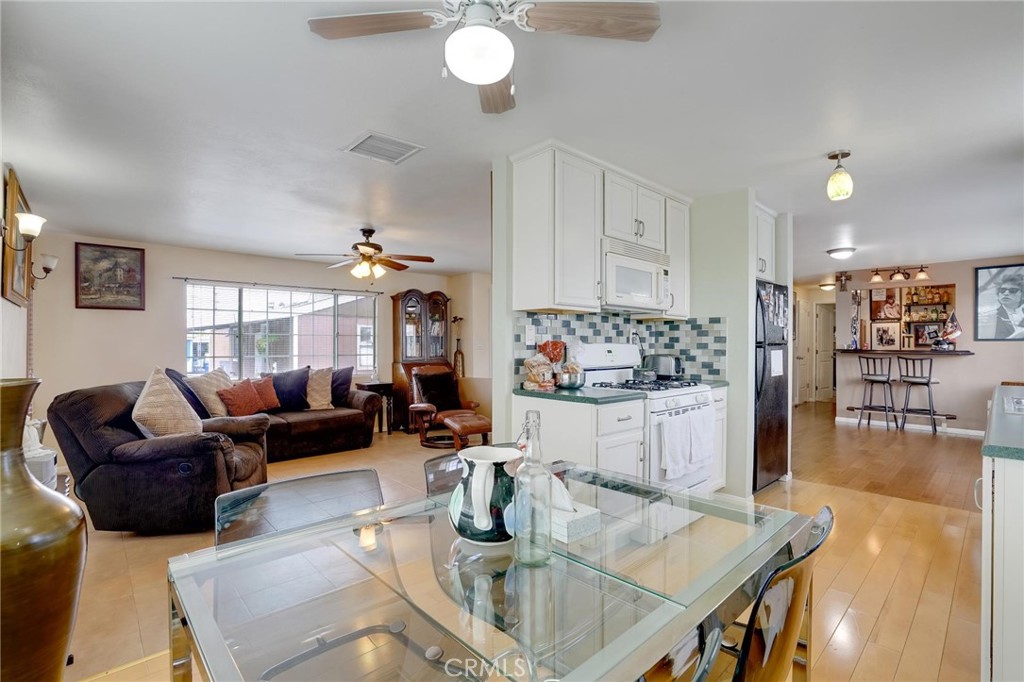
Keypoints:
(413, 331)
(437, 329)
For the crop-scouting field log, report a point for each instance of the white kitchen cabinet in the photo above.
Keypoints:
(765, 264)
(557, 207)
(633, 213)
(719, 399)
(1002, 540)
(587, 433)
(622, 453)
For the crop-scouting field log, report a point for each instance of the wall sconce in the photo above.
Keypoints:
(28, 224)
(47, 262)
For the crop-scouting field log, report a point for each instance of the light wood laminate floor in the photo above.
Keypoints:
(896, 590)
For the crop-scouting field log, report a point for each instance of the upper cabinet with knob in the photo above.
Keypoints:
(557, 209)
(633, 213)
(764, 266)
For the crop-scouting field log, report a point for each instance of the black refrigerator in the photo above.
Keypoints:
(771, 383)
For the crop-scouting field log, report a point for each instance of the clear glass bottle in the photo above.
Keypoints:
(533, 542)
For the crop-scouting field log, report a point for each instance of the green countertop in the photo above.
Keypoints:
(1004, 436)
(591, 396)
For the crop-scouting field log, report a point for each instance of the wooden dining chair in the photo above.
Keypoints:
(296, 502)
(771, 636)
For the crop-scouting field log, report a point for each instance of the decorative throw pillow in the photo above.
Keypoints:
(241, 399)
(318, 390)
(206, 387)
(291, 389)
(440, 390)
(265, 390)
(162, 410)
(341, 384)
(181, 381)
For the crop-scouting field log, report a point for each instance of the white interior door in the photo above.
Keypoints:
(803, 350)
(824, 350)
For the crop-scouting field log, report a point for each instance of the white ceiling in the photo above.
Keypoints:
(218, 125)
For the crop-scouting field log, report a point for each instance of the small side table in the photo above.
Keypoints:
(385, 389)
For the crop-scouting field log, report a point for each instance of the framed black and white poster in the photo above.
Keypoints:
(999, 303)
(885, 336)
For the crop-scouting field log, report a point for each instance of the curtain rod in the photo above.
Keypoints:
(276, 286)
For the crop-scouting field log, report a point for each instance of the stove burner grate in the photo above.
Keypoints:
(640, 385)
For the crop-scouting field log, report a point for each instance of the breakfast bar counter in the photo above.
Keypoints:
(394, 593)
(908, 352)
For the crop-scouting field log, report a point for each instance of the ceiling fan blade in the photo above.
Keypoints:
(342, 263)
(356, 25)
(496, 98)
(326, 255)
(620, 20)
(395, 256)
(388, 263)
(367, 248)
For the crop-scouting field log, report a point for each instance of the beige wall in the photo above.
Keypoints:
(77, 348)
(14, 355)
(966, 382)
(471, 300)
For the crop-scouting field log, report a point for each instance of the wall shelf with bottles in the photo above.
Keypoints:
(925, 311)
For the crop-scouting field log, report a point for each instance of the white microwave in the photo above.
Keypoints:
(635, 277)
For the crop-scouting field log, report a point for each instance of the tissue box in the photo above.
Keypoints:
(569, 526)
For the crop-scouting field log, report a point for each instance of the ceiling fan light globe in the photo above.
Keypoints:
(840, 184)
(378, 270)
(361, 269)
(479, 54)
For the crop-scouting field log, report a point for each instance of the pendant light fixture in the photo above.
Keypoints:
(876, 277)
(921, 274)
(840, 184)
(899, 275)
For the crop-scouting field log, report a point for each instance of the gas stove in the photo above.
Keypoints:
(651, 386)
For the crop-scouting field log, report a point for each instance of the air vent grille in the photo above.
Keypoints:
(383, 148)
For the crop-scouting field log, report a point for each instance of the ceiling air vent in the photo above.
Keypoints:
(383, 148)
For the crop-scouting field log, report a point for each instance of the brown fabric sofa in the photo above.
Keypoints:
(152, 485)
(317, 432)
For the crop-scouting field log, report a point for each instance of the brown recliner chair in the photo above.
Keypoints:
(158, 485)
(435, 396)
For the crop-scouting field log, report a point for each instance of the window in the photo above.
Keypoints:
(246, 330)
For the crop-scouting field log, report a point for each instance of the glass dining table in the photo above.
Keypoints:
(392, 592)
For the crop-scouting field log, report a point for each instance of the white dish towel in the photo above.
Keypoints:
(702, 435)
(675, 446)
(687, 442)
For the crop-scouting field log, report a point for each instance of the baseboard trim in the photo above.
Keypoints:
(924, 428)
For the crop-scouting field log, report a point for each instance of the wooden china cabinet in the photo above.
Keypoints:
(420, 338)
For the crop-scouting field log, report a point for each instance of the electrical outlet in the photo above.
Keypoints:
(530, 339)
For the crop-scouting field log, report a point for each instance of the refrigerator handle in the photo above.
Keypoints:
(764, 368)
(764, 349)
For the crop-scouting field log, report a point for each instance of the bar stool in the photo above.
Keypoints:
(875, 371)
(917, 372)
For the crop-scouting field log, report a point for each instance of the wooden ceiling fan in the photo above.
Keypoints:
(478, 53)
(370, 259)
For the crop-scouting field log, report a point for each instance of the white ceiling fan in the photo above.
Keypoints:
(370, 259)
(478, 53)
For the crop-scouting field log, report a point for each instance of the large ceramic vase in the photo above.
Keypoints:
(43, 554)
(482, 502)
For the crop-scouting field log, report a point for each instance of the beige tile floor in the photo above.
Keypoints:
(897, 587)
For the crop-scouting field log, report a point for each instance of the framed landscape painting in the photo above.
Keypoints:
(999, 303)
(17, 277)
(110, 277)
